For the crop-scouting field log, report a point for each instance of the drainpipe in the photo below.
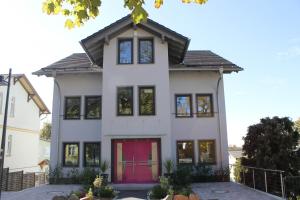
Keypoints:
(58, 133)
(219, 119)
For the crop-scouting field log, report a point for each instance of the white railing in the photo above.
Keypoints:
(267, 180)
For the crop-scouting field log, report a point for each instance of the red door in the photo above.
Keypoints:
(136, 160)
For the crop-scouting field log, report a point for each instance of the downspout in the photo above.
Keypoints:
(219, 119)
(58, 133)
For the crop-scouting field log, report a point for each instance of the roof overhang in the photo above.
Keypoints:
(93, 45)
(31, 92)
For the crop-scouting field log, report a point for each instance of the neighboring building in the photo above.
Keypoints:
(44, 154)
(234, 155)
(23, 124)
(136, 98)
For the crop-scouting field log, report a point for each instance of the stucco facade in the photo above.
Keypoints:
(103, 76)
(23, 125)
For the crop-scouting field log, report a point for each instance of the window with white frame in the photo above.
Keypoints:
(1, 102)
(9, 145)
(12, 107)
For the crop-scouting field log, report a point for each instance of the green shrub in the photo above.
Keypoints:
(55, 175)
(158, 192)
(105, 192)
(181, 177)
(88, 175)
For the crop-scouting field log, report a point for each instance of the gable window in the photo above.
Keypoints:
(207, 151)
(124, 101)
(92, 107)
(147, 100)
(72, 107)
(71, 154)
(1, 102)
(204, 105)
(91, 154)
(12, 107)
(185, 152)
(9, 145)
(183, 104)
(125, 51)
(146, 51)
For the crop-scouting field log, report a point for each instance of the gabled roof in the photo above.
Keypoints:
(93, 45)
(76, 62)
(193, 60)
(31, 92)
(205, 60)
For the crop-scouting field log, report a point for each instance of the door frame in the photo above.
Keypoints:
(112, 160)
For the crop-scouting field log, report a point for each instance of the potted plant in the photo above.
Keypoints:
(103, 168)
(169, 167)
(101, 192)
(161, 191)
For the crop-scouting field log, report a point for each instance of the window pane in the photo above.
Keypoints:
(204, 105)
(125, 101)
(185, 152)
(1, 102)
(72, 110)
(125, 51)
(9, 145)
(183, 106)
(207, 151)
(146, 51)
(71, 154)
(92, 154)
(93, 107)
(12, 107)
(147, 98)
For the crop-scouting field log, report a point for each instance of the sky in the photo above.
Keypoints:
(263, 37)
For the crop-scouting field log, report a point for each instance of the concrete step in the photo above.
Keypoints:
(133, 186)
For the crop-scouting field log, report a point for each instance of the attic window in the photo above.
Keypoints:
(125, 51)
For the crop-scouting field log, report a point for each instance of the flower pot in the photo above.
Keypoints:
(104, 179)
(168, 197)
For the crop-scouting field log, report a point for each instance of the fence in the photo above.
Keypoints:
(267, 180)
(16, 181)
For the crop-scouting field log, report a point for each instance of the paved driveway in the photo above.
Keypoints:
(229, 191)
(207, 191)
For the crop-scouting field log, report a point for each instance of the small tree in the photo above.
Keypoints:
(46, 131)
(272, 144)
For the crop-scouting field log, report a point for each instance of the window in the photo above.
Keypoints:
(185, 152)
(207, 151)
(125, 51)
(125, 101)
(91, 154)
(12, 107)
(92, 107)
(1, 102)
(71, 154)
(9, 145)
(146, 100)
(183, 105)
(146, 52)
(72, 107)
(204, 105)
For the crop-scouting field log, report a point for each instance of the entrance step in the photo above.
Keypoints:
(133, 186)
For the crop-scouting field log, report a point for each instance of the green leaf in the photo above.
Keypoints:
(69, 24)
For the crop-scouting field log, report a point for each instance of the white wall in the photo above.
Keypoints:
(135, 75)
(199, 128)
(24, 127)
(73, 130)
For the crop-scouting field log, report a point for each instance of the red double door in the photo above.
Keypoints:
(136, 160)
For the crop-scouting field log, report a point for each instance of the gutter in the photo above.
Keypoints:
(219, 119)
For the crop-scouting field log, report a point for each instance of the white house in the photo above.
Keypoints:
(23, 124)
(136, 98)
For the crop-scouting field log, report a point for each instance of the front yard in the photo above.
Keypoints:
(206, 191)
